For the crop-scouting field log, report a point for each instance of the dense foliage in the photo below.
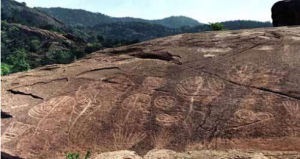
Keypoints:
(15, 12)
(23, 48)
(130, 31)
(15, 62)
(217, 26)
(245, 24)
(78, 17)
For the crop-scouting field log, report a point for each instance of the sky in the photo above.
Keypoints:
(206, 11)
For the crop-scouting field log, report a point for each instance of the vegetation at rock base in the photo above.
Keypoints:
(5, 69)
(77, 155)
(15, 62)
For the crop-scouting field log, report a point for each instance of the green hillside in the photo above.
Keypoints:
(80, 17)
(15, 12)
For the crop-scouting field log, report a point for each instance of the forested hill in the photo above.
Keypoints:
(81, 17)
(15, 12)
(245, 24)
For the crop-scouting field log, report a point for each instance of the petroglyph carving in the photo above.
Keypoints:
(15, 130)
(198, 89)
(54, 106)
(214, 87)
(88, 101)
(167, 120)
(138, 102)
(161, 139)
(19, 106)
(165, 102)
(151, 83)
(292, 109)
(125, 137)
(292, 122)
(247, 116)
(190, 87)
(242, 73)
(85, 97)
(41, 110)
(261, 116)
(260, 76)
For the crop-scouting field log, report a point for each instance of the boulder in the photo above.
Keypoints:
(119, 155)
(286, 13)
(166, 154)
(213, 90)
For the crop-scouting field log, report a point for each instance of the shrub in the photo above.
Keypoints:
(5, 69)
(217, 26)
(60, 56)
(77, 155)
(73, 156)
(18, 61)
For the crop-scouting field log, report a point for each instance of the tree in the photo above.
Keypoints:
(217, 26)
(18, 61)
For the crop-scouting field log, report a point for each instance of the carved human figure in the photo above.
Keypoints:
(197, 89)
(137, 104)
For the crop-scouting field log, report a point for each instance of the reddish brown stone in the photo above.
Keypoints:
(215, 90)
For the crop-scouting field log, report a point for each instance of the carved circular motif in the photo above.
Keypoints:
(190, 86)
(151, 83)
(165, 102)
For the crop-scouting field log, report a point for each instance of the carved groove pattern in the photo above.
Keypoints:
(15, 130)
(41, 110)
(165, 102)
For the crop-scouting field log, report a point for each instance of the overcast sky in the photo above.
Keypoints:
(201, 10)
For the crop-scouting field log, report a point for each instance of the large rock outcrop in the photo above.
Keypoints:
(215, 90)
(202, 154)
(286, 13)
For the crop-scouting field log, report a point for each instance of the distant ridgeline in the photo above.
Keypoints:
(33, 37)
(128, 28)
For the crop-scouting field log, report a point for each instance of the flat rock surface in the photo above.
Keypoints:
(215, 90)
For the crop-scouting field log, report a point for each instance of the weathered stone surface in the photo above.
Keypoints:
(166, 154)
(202, 154)
(119, 155)
(216, 90)
(286, 13)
